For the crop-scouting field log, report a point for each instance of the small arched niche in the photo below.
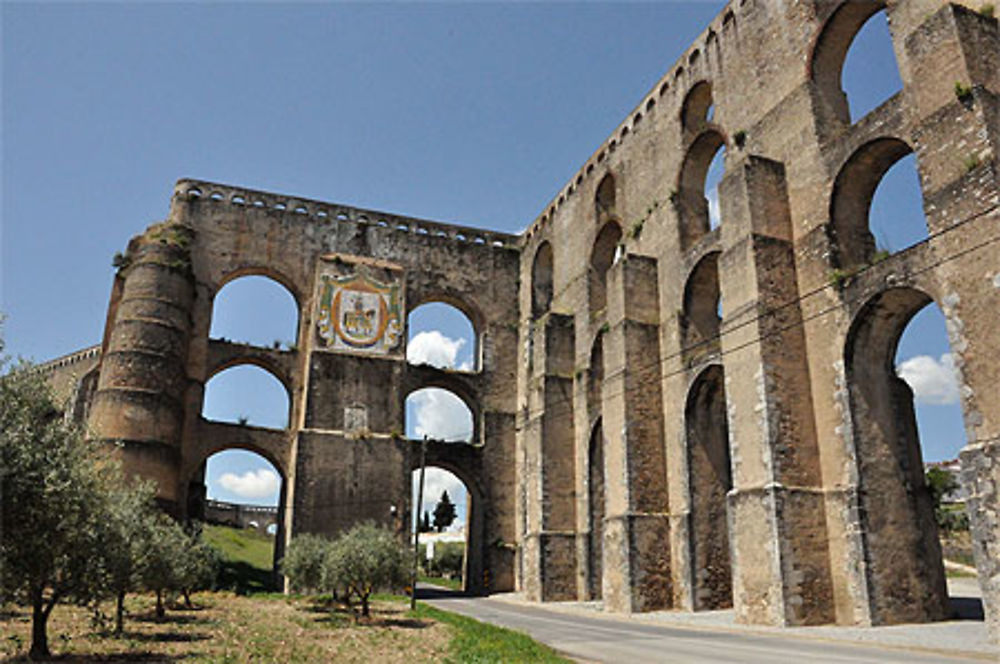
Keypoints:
(701, 314)
(698, 107)
(247, 395)
(697, 198)
(256, 310)
(542, 280)
(853, 65)
(442, 335)
(439, 414)
(602, 257)
(884, 168)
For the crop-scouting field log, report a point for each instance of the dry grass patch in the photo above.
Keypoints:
(228, 628)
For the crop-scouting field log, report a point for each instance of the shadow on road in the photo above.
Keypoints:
(966, 608)
(427, 591)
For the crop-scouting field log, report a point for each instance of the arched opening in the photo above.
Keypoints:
(238, 496)
(854, 65)
(440, 415)
(246, 395)
(924, 360)
(697, 197)
(602, 257)
(604, 200)
(903, 561)
(595, 470)
(256, 310)
(595, 497)
(541, 280)
(709, 480)
(863, 229)
(443, 336)
(697, 107)
(444, 527)
(701, 316)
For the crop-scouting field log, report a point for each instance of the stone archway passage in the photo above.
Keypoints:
(710, 479)
(902, 553)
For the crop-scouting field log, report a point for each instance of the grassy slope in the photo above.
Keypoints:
(247, 558)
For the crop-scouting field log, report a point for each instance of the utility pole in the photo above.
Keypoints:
(416, 529)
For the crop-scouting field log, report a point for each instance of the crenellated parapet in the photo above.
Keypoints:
(323, 212)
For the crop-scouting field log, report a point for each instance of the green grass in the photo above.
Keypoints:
(451, 584)
(475, 642)
(247, 559)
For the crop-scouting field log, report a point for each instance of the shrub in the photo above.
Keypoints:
(303, 562)
(365, 559)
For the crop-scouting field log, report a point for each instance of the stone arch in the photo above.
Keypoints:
(689, 199)
(260, 271)
(709, 480)
(273, 277)
(477, 510)
(260, 361)
(463, 304)
(700, 318)
(830, 51)
(605, 199)
(851, 199)
(696, 106)
(194, 478)
(902, 554)
(602, 257)
(595, 500)
(461, 392)
(542, 280)
(266, 369)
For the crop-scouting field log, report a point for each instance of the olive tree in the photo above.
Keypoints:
(51, 502)
(303, 562)
(363, 560)
(124, 536)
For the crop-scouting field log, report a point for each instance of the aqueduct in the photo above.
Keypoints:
(635, 440)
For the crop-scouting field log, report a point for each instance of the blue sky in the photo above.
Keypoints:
(473, 113)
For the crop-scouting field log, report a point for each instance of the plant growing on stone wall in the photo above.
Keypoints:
(839, 278)
(121, 261)
(242, 420)
(963, 92)
(971, 162)
(674, 197)
(987, 10)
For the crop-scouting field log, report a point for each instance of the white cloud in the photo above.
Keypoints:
(933, 381)
(435, 349)
(440, 415)
(714, 214)
(261, 483)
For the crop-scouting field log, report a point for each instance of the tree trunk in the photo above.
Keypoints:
(187, 598)
(39, 623)
(364, 605)
(161, 613)
(120, 613)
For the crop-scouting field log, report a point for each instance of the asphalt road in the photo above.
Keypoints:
(600, 638)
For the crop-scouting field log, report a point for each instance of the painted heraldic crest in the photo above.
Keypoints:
(357, 313)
